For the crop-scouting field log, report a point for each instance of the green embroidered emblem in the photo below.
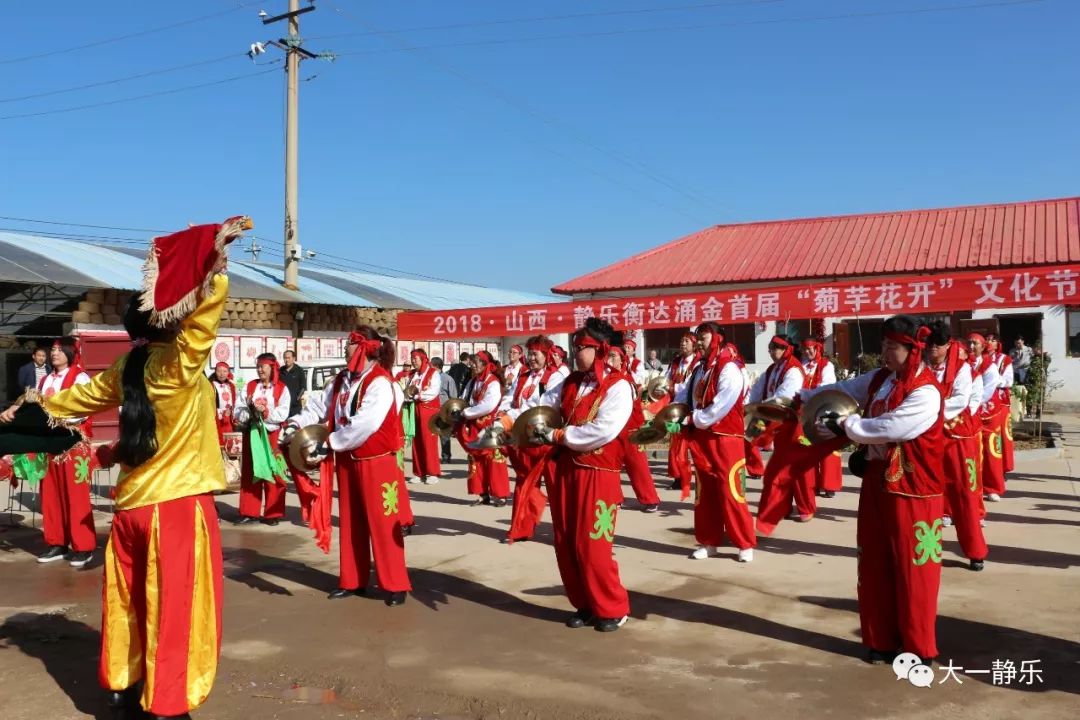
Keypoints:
(401, 460)
(972, 474)
(390, 498)
(803, 440)
(928, 542)
(673, 427)
(281, 468)
(604, 527)
(82, 470)
(996, 438)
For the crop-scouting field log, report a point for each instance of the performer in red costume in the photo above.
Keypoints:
(225, 399)
(584, 491)
(529, 387)
(788, 474)
(425, 446)
(993, 468)
(820, 371)
(963, 506)
(1004, 400)
(560, 362)
(517, 365)
(270, 399)
(360, 409)
(488, 477)
(161, 619)
(716, 392)
(66, 514)
(899, 526)
(634, 367)
(634, 460)
(679, 373)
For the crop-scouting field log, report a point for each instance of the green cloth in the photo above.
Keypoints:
(408, 420)
(30, 470)
(265, 463)
(673, 427)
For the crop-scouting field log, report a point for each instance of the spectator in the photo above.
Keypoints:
(294, 378)
(1021, 360)
(31, 373)
(461, 373)
(447, 389)
(653, 363)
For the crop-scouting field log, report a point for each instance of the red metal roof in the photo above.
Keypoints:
(980, 236)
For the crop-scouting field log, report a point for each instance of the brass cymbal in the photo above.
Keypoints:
(449, 408)
(657, 388)
(648, 434)
(411, 391)
(773, 410)
(823, 403)
(491, 438)
(673, 412)
(435, 425)
(532, 419)
(303, 442)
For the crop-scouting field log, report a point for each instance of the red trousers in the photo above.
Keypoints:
(720, 498)
(830, 474)
(161, 603)
(1008, 463)
(993, 468)
(369, 513)
(425, 445)
(790, 474)
(755, 465)
(899, 541)
(963, 500)
(66, 515)
(254, 492)
(679, 460)
(488, 474)
(637, 468)
(224, 425)
(523, 460)
(584, 504)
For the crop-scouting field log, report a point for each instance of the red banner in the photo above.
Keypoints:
(916, 295)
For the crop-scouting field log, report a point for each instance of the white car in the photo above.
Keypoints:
(320, 373)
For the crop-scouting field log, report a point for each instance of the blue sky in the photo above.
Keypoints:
(524, 154)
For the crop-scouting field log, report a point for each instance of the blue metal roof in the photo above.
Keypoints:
(35, 260)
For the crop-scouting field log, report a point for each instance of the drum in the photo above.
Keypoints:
(233, 444)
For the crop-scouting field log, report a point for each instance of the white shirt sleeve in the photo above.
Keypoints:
(641, 375)
(757, 390)
(975, 400)
(728, 389)
(431, 392)
(280, 412)
(916, 414)
(487, 405)
(959, 394)
(508, 397)
(682, 390)
(611, 418)
(315, 410)
(553, 383)
(369, 417)
(828, 373)
(240, 410)
(991, 378)
(80, 379)
(793, 382)
(857, 387)
(1007, 378)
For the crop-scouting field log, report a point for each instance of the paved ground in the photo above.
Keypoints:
(482, 636)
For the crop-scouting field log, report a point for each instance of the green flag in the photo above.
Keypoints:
(408, 420)
(30, 469)
(265, 463)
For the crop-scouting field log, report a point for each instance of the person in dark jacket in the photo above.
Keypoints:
(461, 373)
(31, 373)
(447, 389)
(295, 379)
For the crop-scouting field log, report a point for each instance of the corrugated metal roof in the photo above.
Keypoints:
(984, 236)
(33, 259)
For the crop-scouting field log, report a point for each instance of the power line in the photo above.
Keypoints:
(127, 36)
(126, 78)
(703, 26)
(85, 225)
(134, 98)
(555, 18)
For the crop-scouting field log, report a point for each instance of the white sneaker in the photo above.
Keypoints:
(414, 481)
(993, 497)
(746, 555)
(982, 522)
(702, 551)
(946, 521)
(431, 480)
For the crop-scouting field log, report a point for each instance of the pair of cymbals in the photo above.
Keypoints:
(657, 388)
(772, 410)
(821, 405)
(532, 421)
(303, 442)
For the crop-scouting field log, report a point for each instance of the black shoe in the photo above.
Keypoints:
(185, 716)
(610, 624)
(395, 598)
(54, 553)
(80, 559)
(270, 521)
(407, 530)
(124, 704)
(675, 485)
(245, 520)
(580, 619)
(650, 508)
(880, 657)
(499, 502)
(829, 494)
(927, 660)
(343, 593)
(976, 565)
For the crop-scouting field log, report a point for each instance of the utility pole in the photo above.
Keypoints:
(294, 53)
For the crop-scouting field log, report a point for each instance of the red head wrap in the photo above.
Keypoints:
(583, 339)
(906, 375)
(273, 363)
(780, 342)
(976, 337)
(631, 343)
(423, 359)
(489, 361)
(365, 349)
(226, 366)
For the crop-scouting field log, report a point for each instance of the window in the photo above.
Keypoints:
(1072, 328)
(796, 330)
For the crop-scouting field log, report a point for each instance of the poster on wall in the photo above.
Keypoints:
(278, 346)
(250, 349)
(465, 347)
(404, 347)
(451, 353)
(328, 348)
(422, 345)
(224, 351)
(493, 349)
(306, 350)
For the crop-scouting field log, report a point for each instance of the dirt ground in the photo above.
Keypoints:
(482, 635)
